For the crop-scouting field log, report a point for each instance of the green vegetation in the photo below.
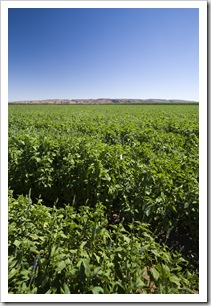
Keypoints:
(103, 199)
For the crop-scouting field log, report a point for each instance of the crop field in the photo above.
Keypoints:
(103, 199)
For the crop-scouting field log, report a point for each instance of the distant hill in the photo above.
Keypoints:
(104, 101)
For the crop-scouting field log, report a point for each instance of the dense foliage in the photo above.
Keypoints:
(110, 185)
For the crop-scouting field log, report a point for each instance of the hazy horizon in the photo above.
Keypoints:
(100, 98)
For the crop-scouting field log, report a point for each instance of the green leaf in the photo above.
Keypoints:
(155, 252)
(17, 243)
(12, 273)
(97, 290)
(33, 249)
(186, 205)
(174, 279)
(96, 271)
(127, 239)
(97, 258)
(34, 236)
(53, 249)
(83, 244)
(147, 212)
(66, 289)
(12, 262)
(119, 249)
(25, 272)
(140, 283)
(86, 267)
(61, 266)
(155, 273)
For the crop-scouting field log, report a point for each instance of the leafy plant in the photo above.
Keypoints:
(103, 181)
(60, 250)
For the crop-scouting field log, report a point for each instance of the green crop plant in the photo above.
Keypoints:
(103, 183)
(62, 250)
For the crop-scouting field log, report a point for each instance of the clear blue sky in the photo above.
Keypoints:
(103, 53)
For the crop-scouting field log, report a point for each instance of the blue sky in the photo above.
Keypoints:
(103, 53)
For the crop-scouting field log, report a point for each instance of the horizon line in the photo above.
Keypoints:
(95, 99)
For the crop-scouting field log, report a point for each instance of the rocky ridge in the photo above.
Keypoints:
(100, 101)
